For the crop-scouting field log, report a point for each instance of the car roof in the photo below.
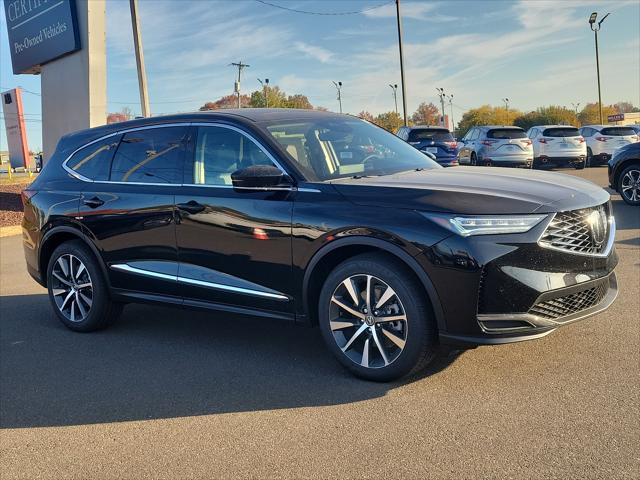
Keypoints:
(490, 127)
(554, 126)
(598, 126)
(430, 127)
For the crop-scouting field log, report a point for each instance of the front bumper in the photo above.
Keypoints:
(508, 288)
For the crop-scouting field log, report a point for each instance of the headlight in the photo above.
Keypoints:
(466, 225)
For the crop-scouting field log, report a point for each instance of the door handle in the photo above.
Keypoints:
(94, 202)
(191, 207)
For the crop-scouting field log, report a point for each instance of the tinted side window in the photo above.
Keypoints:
(94, 161)
(219, 152)
(474, 134)
(150, 156)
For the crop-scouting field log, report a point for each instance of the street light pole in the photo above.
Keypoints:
(453, 125)
(596, 29)
(339, 88)
(394, 87)
(575, 107)
(441, 95)
(142, 74)
(404, 89)
(506, 106)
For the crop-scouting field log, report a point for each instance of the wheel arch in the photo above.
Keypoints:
(340, 250)
(620, 168)
(57, 236)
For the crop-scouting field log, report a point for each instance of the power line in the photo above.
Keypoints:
(355, 12)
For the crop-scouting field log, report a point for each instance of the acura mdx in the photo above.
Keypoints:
(279, 214)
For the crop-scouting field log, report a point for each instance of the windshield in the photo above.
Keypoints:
(561, 132)
(430, 135)
(506, 133)
(331, 148)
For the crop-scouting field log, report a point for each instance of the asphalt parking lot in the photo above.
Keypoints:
(175, 394)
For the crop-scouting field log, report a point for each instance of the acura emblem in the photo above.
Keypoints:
(598, 224)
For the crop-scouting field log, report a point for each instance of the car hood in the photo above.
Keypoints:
(474, 190)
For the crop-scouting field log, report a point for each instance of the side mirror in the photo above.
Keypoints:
(259, 176)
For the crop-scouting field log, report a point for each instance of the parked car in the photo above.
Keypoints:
(498, 146)
(624, 173)
(557, 146)
(255, 211)
(437, 141)
(602, 141)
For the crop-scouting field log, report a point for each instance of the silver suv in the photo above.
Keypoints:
(496, 145)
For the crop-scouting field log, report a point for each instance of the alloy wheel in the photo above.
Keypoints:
(368, 321)
(630, 185)
(71, 287)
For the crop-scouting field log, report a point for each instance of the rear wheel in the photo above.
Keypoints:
(579, 165)
(375, 319)
(629, 184)
(77, 289)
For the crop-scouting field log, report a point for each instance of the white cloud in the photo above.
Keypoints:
(412, 10)
(321, 54)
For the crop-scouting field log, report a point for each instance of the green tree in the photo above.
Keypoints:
(590, 114)
(299, 101)
(552, 115)
(277, 98)
(426, 114)
(486, 115)
(390, 121)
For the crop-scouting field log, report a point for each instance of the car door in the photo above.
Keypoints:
(234, 245)
(130, 214)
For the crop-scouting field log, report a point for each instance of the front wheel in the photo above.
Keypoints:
(579, 165)
(629, 185)
(375, 319)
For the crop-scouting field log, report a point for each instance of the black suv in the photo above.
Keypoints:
(320, 219)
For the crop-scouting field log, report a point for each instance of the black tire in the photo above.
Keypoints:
(580, 165)
(420, 333)
(101, 311)
(634, 171)
(473, 160)
(589, 160)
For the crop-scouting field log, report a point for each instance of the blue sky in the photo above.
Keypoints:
(533, 52)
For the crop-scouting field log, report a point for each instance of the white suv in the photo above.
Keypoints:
(603, 140)
(558, 146)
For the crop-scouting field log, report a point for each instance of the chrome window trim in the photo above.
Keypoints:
(124, 267)
(79, 176)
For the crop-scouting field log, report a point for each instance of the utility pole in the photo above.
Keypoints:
(404, 88)
(241, 66)
(506, 106)
(339, 88)
(142, 74)
(575, 107)
(596, 29)
(442, 95)
(265, 86)
(453, 125)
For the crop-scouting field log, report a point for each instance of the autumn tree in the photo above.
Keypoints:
(228, 101)
(298, 101)
(590, 114)
(426, 114)
(390, 121)
(121, 116)
(626, 107)
(366, 116)
(552, 115)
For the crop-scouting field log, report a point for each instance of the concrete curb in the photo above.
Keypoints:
(11, 230)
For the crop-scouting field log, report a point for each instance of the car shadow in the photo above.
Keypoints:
(159, 362)
(627, 216)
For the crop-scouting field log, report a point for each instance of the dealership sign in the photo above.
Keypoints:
(618, 117)
(40, 31)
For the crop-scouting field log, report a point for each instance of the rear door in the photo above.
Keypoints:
(234, 245)
(130, 214)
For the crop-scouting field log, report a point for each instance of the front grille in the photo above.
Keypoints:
(584, 231)
(563, 306)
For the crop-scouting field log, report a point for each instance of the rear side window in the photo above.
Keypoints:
(506, 133)
(618, 131)
(94, 161)
(221, 151)
(430, 134)
(150, 156)
(561, 132)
